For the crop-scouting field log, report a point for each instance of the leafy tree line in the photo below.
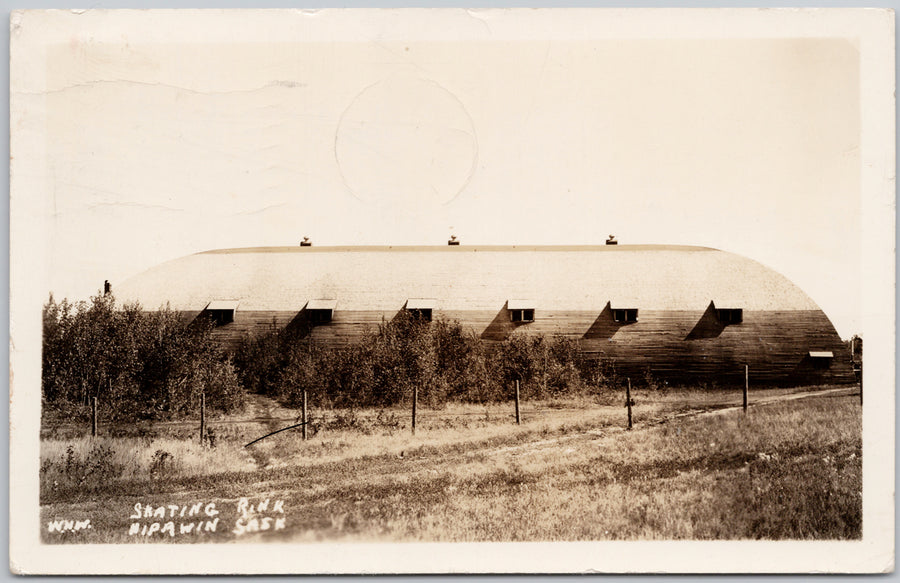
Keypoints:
(444, 361)
(139, 364)
(154, 364)
(855, 347)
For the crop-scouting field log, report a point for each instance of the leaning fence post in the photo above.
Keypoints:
(518, 418)
(746, 384)
(415, 405)
(304, 415)
(93, 416)
(202, 417)
(628, 401)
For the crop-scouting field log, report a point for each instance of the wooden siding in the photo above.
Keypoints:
(666, 343)
(574, 290)
(248, 323)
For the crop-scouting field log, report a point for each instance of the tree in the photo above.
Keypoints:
(138, 364)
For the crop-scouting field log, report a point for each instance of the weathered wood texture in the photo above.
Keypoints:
(665, 343)
(574, 291)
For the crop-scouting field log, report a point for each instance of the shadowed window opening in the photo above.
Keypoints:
(320, 311)
(520, 310)
(821, 359)
(625, 315)
(730, 315)
(421, 308)
(522, 315)
(221, 312)
(319, 316)
(420, 313)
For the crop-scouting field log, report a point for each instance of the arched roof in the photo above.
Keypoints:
(460, 278)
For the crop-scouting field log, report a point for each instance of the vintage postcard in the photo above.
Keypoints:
(452, 291)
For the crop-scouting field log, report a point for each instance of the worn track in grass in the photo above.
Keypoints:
(314, 494)
(595, 434)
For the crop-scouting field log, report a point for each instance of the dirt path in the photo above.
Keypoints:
(384, 469)
(318, 493)
(597, 434)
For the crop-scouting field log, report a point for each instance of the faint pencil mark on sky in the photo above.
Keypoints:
(264, 209)
(87, 84)
(406, 140)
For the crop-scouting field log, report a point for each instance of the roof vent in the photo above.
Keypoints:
(306, 242)
(612, 240)
(453, 240)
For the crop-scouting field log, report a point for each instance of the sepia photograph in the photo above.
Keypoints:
(452, 291)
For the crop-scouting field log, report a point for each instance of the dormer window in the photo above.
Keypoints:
(320, 311)
(221, 312)
(526, 315)
(421, 308)
(625, 315)
(821, 358)
(730, 315)
(520, 310)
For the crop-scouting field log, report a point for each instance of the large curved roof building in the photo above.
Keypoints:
(680, 312)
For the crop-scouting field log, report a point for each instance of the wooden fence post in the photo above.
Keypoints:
(202, 418)
(415, 406)
(94, 417)
(746, 384)
(518, 417)
(628, 401)
(860, 384)
(304, 415)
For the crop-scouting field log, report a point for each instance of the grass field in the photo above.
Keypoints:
(693, 468)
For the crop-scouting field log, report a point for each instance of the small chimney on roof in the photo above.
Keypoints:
(306, 242)
(612, 240)
(107, 287)
(453, 240)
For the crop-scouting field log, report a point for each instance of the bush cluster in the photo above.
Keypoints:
(440, 358)
(89, 470)
(139, 364)
(148, 365)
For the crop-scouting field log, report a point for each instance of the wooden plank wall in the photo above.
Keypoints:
(676, 345)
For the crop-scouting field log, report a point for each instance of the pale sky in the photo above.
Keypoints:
(156, 150)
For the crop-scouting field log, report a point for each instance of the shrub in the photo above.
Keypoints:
(138, 364)
(154, 365)
(439, 358)
(89, 471)
(161, 463)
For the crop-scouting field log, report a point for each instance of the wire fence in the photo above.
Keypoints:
(202, 426)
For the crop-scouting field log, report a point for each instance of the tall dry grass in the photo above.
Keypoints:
(95, 464)
(162, 450)
(789, 470)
